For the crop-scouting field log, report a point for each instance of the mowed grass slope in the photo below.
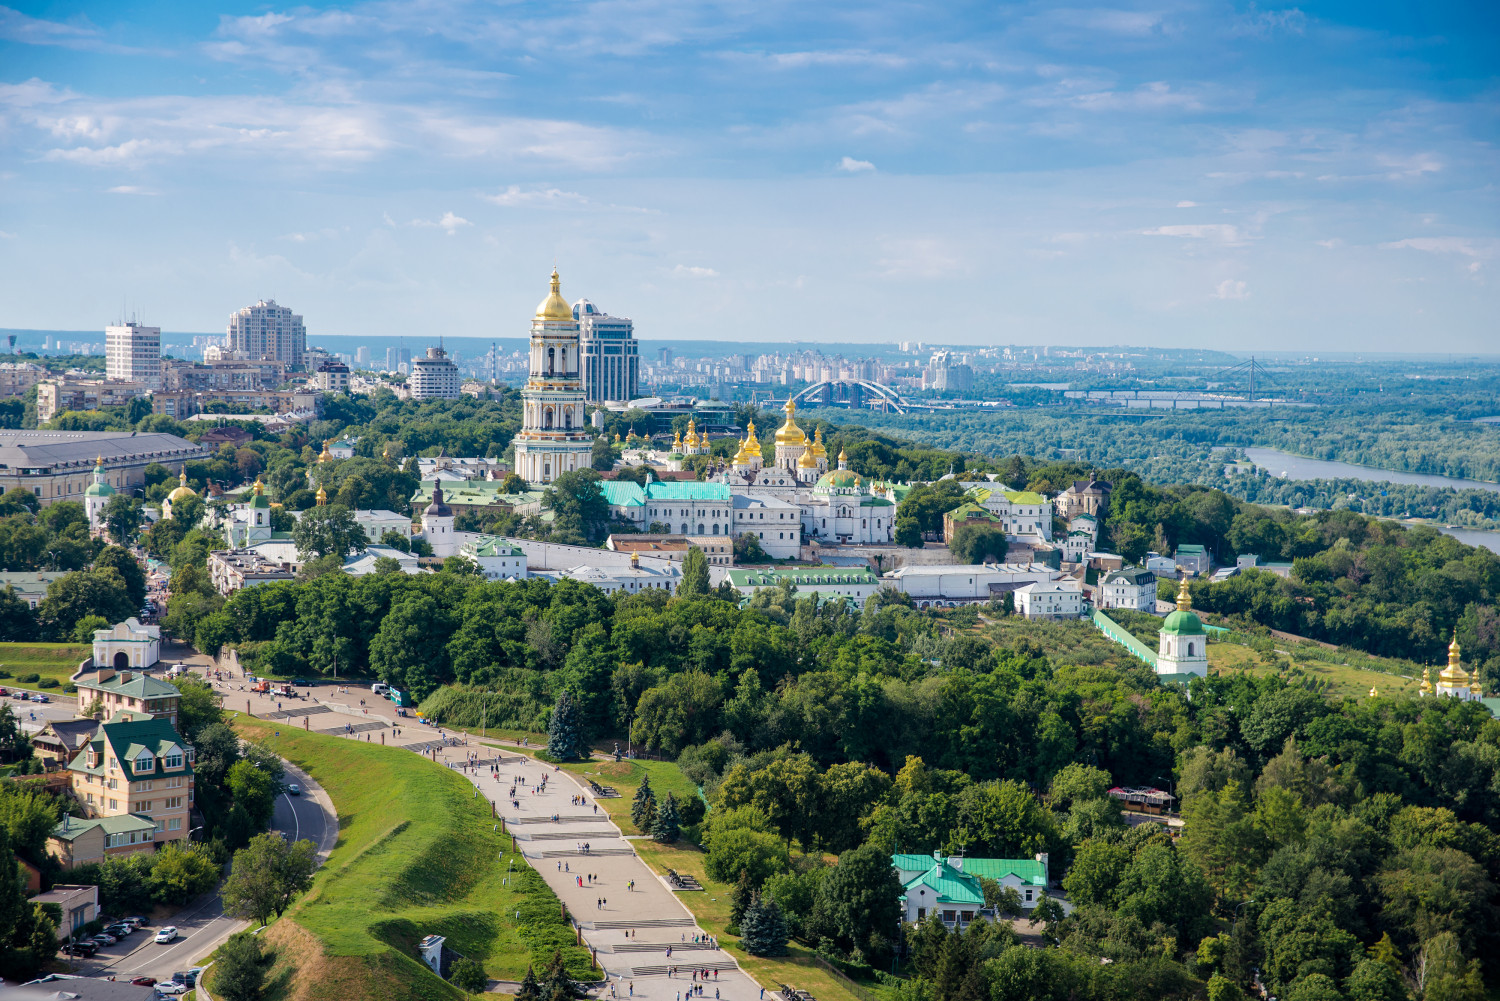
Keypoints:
(417, 854)
(625, 777)
(50, 660)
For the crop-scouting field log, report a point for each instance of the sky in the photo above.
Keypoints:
(1230, 174)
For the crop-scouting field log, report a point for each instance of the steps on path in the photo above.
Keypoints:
(676, 947)
(645, 923)
(573, 853)
(354, 728)
(566, 818)
(684, 970)
(299, 711)
(565, 835)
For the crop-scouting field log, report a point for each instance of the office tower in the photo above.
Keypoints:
(434, 377)
(132, 353)
(610, 365)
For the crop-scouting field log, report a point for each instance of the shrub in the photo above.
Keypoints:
(4, 673)
(469, 976)
(70, 689)
(47, 683)
(29, 679)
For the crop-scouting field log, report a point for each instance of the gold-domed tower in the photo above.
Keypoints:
(554, 438)
(1454, 681)
(791, 441)
(748, 457)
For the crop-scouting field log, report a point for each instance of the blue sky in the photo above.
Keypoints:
(1231, 174)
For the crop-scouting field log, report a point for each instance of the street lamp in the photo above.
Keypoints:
(483, 708)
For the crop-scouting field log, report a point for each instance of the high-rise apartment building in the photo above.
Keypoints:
(267, 330)
(396, 357)
(132, 353)
(434, 377)
(608, 358)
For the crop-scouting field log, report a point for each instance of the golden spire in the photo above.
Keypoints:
(635, 560)
(1426, 686)
(322, 497)
(325, 455)
(749, 448)
(182, 477)
(843, 458)
(1454, 675)
(260, 487)
(1184, 597)
(555, 308)
(677, 442)
(818, 451)
(691, 441)
(790, 433)
(99, 461)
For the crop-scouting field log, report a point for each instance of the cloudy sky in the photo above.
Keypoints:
(1232, 174)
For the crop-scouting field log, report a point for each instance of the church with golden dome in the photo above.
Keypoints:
(554, 436)
(1453, 681)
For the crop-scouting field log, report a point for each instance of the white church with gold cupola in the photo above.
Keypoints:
(1453, 681)
(799, 460)
(554, 437)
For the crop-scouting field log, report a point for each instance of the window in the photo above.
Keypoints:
(947, 915)
(172, 760)
(175, 824)
(921, 913)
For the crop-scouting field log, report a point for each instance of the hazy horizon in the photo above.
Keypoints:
(1182, 174)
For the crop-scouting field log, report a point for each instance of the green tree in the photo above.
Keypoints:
(859, 902)
(581, 514)
(908, 532)
(694, 582)
(129, 569)
(1372, 980)
(564, 730)
(73, 596)
(17, 620)
(467, 975)
(603, 457)
(238, 973)
(643, 807)
(740, 850)
(329, 530)
(668, 825)
(267, 874)
(178, 873)
(763, 929)
(513, 484)
(982, 543)
(747, 549)
(254, 789)
(1096, 873)
(198, 706)
(83, 632)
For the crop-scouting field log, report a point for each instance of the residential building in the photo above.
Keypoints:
(853, 584)
(1161, 566)
(377, 523)
(1183, 642)
(608, 355)
(233, 569)
(127, 644)
(55, 396)
(343, 448)
(1133, 587)
(946, 585)
(268, 331)
(79, 905)
(29, 586)
(497, 558)
(184, 404)
(433, 377)
(634, 576)
(1077, 546)
(129, 691)
(717, 549)
(454, 469)
(950, 888)
(485, 497)
(397, 359)
(687, 507)
(1084, 497)
(554, 437)
(216, 376)
(362, 564)
(77, 841)
(60, 465)
(776, 523)
(1025, 515)
(333, 377)
(1058, 599)
(136, 765)
(16, 377)
(132, 353)
(60, 740)
(949, 372)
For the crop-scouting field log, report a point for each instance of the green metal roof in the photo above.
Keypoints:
(919, 863)
(1181, 623)
(973, 512)
(491, 545)
(1190, 549)
(687, 490)
(70, 828)
(983, 494)
(127, 739)
(1029, 870)
(802, 576)
(948, 885)
(140, 686)
(622, 493)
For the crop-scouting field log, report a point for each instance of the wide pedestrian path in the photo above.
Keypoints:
(637, 925)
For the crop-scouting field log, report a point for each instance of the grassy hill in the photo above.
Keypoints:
(416, 855)
(49, 660)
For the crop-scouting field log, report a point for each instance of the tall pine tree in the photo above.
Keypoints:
(668, 824)
(763, 929)
(564, 731)
(643, 808)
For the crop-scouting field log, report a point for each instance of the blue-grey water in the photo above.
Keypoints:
(1297, 467)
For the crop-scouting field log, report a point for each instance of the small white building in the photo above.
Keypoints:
(497, 558)
(950, 584)
(638, 575)
(853, 584)
(776, 523)
(127, 644)
(1077, 546)
(437, 525)
(1058, 599)
(1133, 587)
(377, 523)
(1183, 642)
(361, 564)
(1161, 566)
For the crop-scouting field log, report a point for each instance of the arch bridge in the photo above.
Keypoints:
(853, 394)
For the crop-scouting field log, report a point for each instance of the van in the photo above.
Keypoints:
(380, 688)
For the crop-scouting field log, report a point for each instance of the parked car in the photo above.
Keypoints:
(83, 947)
(120, 930)
(302, 682)
(105, 938)
(293, 789)
(171, 987)
(167, 934)
(39, 697)
(144, 981)
(189, 977)
(136, 920)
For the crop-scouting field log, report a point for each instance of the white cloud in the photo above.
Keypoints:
(917, 258)
(81, 34)
(1332, 243)
(515, 196)
(1184, 204)
(824, 57)
(1231, 289)
(689, 271)
(449, 223)
(1468, 247)
(1155, 96)
(131, 189)
(7, 236)
(1264, 23)
(1223, 232)
(854, 166)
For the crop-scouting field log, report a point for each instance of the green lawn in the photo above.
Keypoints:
(1337, 680)
(625, 776)
(416, 855)
(50, 660)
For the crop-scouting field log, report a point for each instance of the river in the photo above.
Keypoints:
(1297, 467)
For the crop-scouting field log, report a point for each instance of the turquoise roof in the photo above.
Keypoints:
(140, 686)
(622, 493)
(1190, 549)
(70, 828)
(1181, 623)
(802, 576)
(687, 490)
(948, 885)
(127, 739)
(491, 545)
(1028, 870)
(913, 863)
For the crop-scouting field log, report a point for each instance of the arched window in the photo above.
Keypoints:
(547, 418)
(568, 419)
(1190, 649)
(700, 528)
(684, 528)
(551, 353)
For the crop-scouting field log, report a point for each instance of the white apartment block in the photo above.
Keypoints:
(1059, 599)
(434, 377)
(1133, 587)
(132, 353)
(333, 377)
(267, 331)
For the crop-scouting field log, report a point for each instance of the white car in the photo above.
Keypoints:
(167, 934)
(171, 987)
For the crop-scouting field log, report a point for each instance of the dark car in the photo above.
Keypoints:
(189, 977)
(144, 981)
(81, 948)
(302, 682)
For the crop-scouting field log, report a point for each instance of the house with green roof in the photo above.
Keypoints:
(853, 584)
(135, 766)
(951, 888)
(685, 507)
(483, 496)
(1025, 515)
(497, 558)
(77, 841)
(128, 691)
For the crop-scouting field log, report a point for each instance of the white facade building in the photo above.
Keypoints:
(434, 377)
(1183, 642)
(1132, 587)
(377, 523)
(132, 353)
(1025, 515)
(637, 575)
(853, 584)
(497, 558)
(554, 437)
(957, 584)
(608, 355)
(268, 331)
(1058, 599)
(773, 521)
(437, 526)
(333, 377)
(127, 644)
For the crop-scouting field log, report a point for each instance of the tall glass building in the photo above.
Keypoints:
(610, 365)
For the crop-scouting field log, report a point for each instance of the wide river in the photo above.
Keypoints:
(1297, 467)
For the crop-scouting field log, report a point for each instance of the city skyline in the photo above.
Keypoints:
(1181, 174)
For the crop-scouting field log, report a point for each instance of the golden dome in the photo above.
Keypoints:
(818, 451)
(325, 455)
(322, 496)
(1184, 597)
(789, 433)
(1475, 688)
(691, 441)
(1426, 686)
(677, 442)
(555, 308)
(749, 448)
(1374, 693)
(259, 487)
(807, 461)
(1454, 674)
(183, 490)
(843, 456)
